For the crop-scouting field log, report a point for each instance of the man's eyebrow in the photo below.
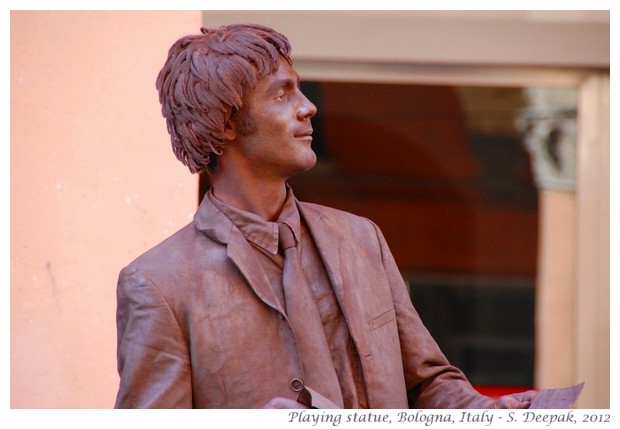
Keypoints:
(281, 83)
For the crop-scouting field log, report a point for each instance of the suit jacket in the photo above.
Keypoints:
(199, 324)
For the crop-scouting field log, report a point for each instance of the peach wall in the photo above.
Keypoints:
(93, 184)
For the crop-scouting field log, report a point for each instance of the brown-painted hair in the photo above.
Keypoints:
(203, 82)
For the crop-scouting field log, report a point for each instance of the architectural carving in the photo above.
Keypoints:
(549, 127)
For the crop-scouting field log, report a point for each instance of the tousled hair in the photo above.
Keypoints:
(202, 85)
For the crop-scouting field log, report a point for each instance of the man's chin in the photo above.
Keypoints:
(304, 167)
(311, 163)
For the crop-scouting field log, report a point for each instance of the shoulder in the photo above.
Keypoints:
(336, 220)
(173, 253)
(324, 212)
(167, 246)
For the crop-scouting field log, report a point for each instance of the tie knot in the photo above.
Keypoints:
(285, 235)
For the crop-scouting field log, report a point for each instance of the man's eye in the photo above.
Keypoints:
(280, 95)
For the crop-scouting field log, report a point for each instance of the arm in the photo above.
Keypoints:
(153, 358)
(430, 379)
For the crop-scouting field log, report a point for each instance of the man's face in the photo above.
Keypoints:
(278, 145)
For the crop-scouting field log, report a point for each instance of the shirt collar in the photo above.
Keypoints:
(255, 229)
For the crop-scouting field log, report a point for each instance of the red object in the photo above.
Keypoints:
(497, 391)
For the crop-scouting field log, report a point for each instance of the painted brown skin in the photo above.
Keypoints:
(253, 169)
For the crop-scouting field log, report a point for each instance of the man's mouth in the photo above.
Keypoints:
(304, 135)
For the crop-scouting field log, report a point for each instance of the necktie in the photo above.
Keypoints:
(304, 318)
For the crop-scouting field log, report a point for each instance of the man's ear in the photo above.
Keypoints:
(230, 130)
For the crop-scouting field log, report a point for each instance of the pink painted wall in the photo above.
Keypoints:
(93, 184)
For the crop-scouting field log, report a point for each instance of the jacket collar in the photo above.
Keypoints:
(212, 222)
(219, 228)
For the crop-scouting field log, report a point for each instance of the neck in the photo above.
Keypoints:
(262, 197)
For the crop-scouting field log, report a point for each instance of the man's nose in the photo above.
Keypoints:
(307, 109)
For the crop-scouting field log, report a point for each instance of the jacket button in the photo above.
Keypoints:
(297, 385)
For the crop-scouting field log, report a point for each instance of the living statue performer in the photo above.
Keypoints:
(263, 300)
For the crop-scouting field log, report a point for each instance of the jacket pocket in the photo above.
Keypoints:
(383, 318)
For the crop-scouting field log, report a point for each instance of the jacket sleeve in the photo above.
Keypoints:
(430, 379)
(153, 358)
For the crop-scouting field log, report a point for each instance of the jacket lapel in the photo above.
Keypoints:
(218, 227)
(327, 240)
(242, 255)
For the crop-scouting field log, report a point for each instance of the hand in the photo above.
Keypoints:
(279, 403)
(517, 400)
